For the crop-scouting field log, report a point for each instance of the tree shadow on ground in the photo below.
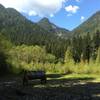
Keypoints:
(55, 89)
(55, 75)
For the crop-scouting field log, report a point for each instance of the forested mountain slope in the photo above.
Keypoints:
(52, 28)
(19, 29)
(89, 26)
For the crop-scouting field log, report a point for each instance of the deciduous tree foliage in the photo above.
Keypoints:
(26, 56)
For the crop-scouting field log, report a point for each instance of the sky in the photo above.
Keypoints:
(64, 13)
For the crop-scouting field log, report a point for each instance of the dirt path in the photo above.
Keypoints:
(58, 89)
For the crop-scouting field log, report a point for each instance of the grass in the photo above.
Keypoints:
(95, 77)
(75, 76)
(63, 80)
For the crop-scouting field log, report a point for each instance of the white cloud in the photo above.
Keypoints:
(71, 9)
(82, 18)
(51, 15)
(35, 7)
(32, 13)
(77, 0)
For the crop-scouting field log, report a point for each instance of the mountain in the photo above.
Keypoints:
(52, 28)
(19, 29)
(89, 26)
